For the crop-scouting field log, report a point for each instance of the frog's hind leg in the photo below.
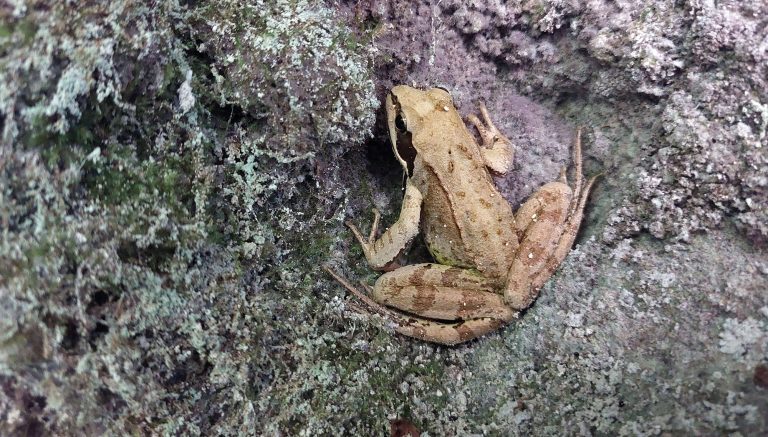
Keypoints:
(581, 192)
(440, 292)
(439, 304)
(548, 223)
(449, 334)
(568, 236)
(541, 221)
(442, 304)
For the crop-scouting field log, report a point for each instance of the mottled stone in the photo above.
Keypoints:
(172, 178)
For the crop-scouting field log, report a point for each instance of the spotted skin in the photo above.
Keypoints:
(492, 261)
(440, 292)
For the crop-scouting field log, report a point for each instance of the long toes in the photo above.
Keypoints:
(580, 201)
(481, 129)
(352, 227)
(590, 182)
(481, 126)
(374, 226)
(486, 116)
(356, 232)
(475, 121)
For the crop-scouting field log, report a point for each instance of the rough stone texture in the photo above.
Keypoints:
(172, 177)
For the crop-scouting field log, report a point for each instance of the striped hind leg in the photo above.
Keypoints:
(437, 303)
(442, 304)
(449, 334)
(548, 224)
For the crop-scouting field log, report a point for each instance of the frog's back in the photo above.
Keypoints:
(465, 221)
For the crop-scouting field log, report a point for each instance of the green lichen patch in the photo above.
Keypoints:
(154, 212)
(291, 64)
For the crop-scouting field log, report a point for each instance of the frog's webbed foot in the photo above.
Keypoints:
(497, 150)
(547, 224)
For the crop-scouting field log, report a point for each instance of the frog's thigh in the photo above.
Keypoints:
(441, 292)
(541, 221)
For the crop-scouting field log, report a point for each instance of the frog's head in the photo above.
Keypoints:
(408, 110)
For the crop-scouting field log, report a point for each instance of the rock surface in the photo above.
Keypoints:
(173, 177)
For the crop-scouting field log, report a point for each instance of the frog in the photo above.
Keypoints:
(490, 262)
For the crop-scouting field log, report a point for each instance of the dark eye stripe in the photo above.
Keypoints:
(400, 123)
(405, 150)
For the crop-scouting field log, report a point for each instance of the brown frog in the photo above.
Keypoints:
(490, 261)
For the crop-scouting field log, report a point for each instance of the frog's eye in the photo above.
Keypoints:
(405, 150)
(445, 90)
(400, 123)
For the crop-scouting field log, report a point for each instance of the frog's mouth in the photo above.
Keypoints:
(401, 137)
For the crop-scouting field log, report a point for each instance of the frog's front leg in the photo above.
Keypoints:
(446, 305)
(382, 253)
(497, 150)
